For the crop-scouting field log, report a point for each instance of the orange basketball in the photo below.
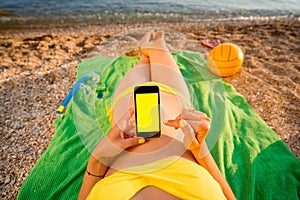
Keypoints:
(225, 59)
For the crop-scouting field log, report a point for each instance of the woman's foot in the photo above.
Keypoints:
(147, 38)
(154, 46)
(137, 51)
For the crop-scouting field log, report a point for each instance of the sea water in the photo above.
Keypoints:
(64, 12)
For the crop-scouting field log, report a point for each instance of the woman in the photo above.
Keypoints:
(123, 166)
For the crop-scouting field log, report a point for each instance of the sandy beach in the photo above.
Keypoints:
(38, 65)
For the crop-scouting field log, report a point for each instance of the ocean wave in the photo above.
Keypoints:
(109, 17)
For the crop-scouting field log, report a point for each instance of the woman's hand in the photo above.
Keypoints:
(194, 124)
(120, 137)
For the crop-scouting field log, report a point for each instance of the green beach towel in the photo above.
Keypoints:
(255, 161)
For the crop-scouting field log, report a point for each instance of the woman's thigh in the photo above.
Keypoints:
(170, 77)
(137, 75)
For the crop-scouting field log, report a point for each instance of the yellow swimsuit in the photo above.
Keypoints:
(175, 175)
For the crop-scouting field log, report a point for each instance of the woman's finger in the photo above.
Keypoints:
(174, 123)
(130, 128)
(196, 124)
(189, 135)
(124, 124)
(199, 124)
(194, 111)
(133, 141)
(192, 114)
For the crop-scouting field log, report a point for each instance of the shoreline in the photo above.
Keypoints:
(11, 18)
(38, 68)
(181, 20)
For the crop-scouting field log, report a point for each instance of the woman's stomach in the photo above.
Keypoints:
(152, 150)
(170, 143)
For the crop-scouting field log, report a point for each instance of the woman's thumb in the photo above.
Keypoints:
(129, 142)
(174, 123)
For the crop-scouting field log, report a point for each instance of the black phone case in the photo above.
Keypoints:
(145, 90)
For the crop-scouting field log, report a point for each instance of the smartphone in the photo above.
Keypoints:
(147, 111)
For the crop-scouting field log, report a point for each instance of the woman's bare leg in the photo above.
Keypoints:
(140, 73)
(137, 75)
(164, 68)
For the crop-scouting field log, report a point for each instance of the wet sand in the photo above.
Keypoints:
(38, 65)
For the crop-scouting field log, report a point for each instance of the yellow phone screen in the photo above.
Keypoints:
(147, 108)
